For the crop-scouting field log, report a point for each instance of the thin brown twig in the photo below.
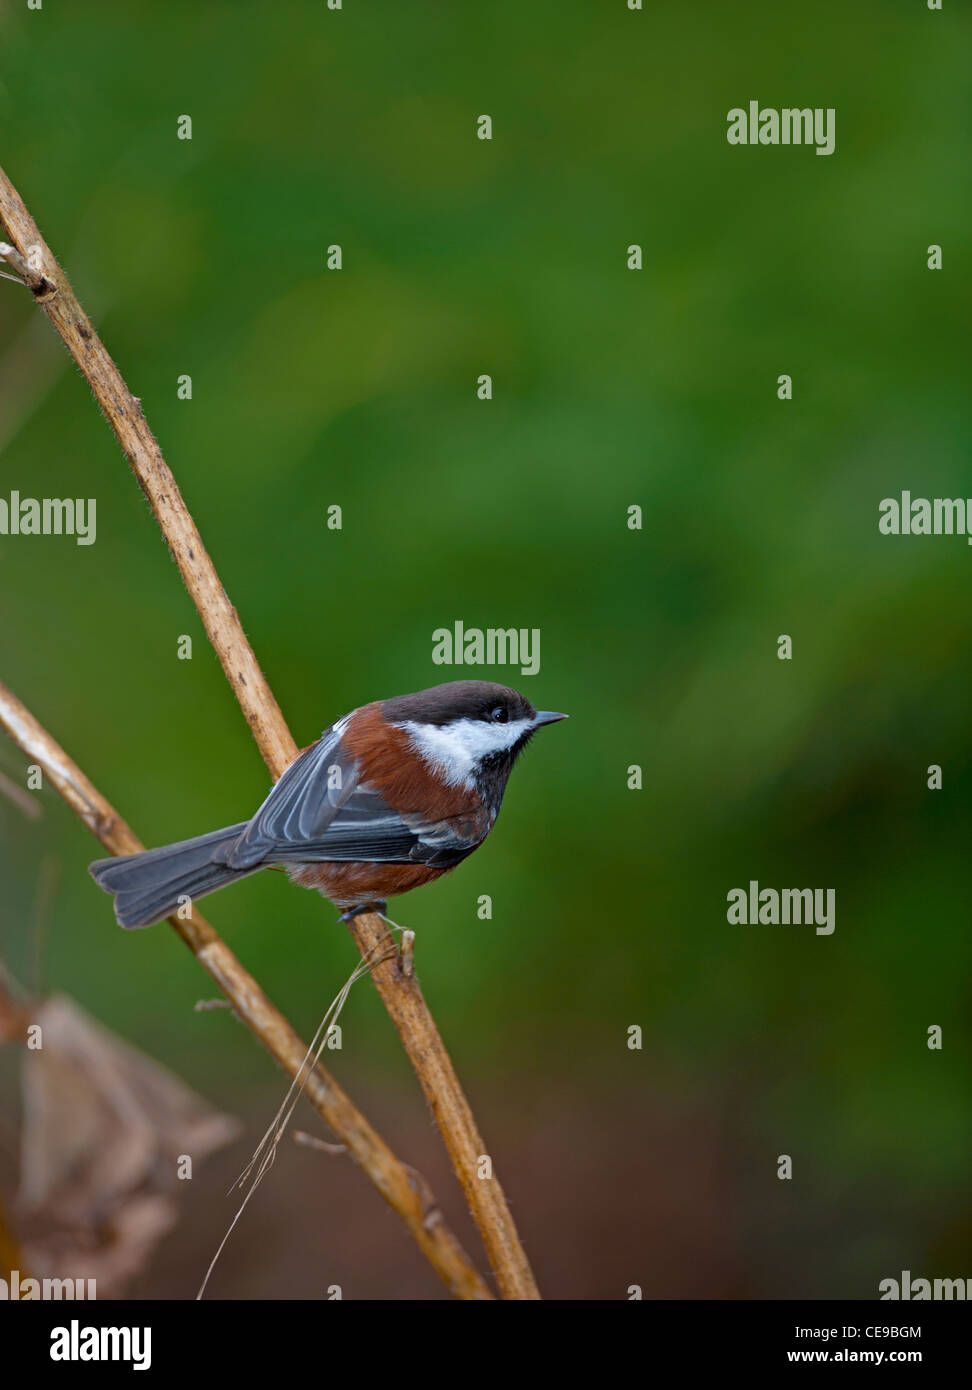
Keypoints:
(15, 1010)
(393, 1179)
(124, 413)
(311, 1141)
(21, 798)
(408, 953)
(400, 992)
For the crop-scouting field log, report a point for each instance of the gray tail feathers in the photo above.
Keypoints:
(148, 886)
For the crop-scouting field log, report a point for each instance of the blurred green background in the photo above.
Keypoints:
(611, 388)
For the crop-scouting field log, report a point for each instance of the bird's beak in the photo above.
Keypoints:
(547, 716)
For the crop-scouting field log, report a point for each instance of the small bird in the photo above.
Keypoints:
(390, 797)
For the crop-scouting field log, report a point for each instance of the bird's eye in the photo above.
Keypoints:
(499, 715)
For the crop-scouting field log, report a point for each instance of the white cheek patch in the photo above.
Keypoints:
(455, 750)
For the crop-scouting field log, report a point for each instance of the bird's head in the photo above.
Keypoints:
(469, 732)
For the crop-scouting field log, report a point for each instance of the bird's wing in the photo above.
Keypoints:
(302, 803)
(320, 810)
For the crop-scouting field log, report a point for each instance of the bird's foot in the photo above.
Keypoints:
(380, 907)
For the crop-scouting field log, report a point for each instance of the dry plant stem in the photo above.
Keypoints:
(403, 999)
(401, 994)
(311, 1141)
(15, 1013)
(10, 1255)
(124, 413)
(393, 1179)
